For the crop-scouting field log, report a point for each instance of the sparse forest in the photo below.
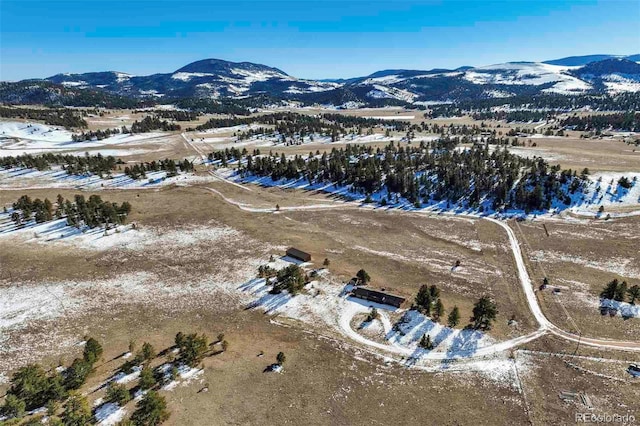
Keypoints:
(429, 173)
(80, 212)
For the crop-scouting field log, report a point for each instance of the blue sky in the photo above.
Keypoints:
(305, 38)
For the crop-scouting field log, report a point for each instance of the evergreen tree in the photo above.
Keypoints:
(438, 310)
(147, 378)
(484, 312)
(621, 292)
(147, 352)
(14, 407)
(425, 342)
(31, 385)
(118, 393)
(151, 410)
(363, 277)
(610, 290)
(454, 317)
(77, 373)
(92, 350)
(77, 412)
(423, 299)
(281, 358)
(634, 294)
(193, 349)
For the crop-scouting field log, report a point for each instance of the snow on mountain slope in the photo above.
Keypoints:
(380, 92)
(528, 73)
(616, 83)
(215, 78)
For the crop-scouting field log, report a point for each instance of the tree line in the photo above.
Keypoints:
(428, 172)
(138, 171)
(72, 164)
(548, 102)
(79, 212)
(94, 164)
(54, 117)
(620, 291)
(627, 121)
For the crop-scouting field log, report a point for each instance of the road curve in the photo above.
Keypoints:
(545, 326)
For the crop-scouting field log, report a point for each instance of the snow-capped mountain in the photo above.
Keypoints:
(503, 80)
(215, 78)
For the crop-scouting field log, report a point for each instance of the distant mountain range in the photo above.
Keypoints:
(216, 79)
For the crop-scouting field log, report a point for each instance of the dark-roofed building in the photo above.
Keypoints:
(298, 254)
(378, 297)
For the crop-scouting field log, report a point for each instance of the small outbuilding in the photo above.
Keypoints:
(378, 297)
(298, 254)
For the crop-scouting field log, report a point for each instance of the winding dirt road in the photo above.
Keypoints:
(545, 326)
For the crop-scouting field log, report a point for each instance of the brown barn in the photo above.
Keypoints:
(298, 254)
(378, 297)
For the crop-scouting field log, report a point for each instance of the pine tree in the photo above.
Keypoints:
(484, 312)
(423, 299)
(634, 293)
(147, 352)
(147, 378)
(454, 317)
(363, 277)
(621, 292)
(77, 412)
(281, 358)
(92, 350)
(425, 342)
(118, 393)
(610, 290)
(14, 407)
(151, 410)
(438, 310)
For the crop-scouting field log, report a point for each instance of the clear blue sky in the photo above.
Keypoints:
(305, 38)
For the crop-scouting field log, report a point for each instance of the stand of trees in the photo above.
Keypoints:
(54, 117)
(149, 124)
(138, 171)
(548, 102)
(429, 172)
(628, 121)
(95, 134)
(290, 124)
(620, 290)
(91, 213)
(175, 115)
(72, 164)
(292, 278)
(32, 387)
(94, 164)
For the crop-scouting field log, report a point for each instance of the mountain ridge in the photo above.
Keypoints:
(216, 78)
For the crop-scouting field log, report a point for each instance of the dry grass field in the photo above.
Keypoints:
(580, 257)
(191, 262)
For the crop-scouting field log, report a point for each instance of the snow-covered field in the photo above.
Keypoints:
(602, 189)
(329, 304)
(121, 237)
(20, 178)
(18, 138)
(56, 304)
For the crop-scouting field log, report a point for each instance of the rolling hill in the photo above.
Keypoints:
(219, 79)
